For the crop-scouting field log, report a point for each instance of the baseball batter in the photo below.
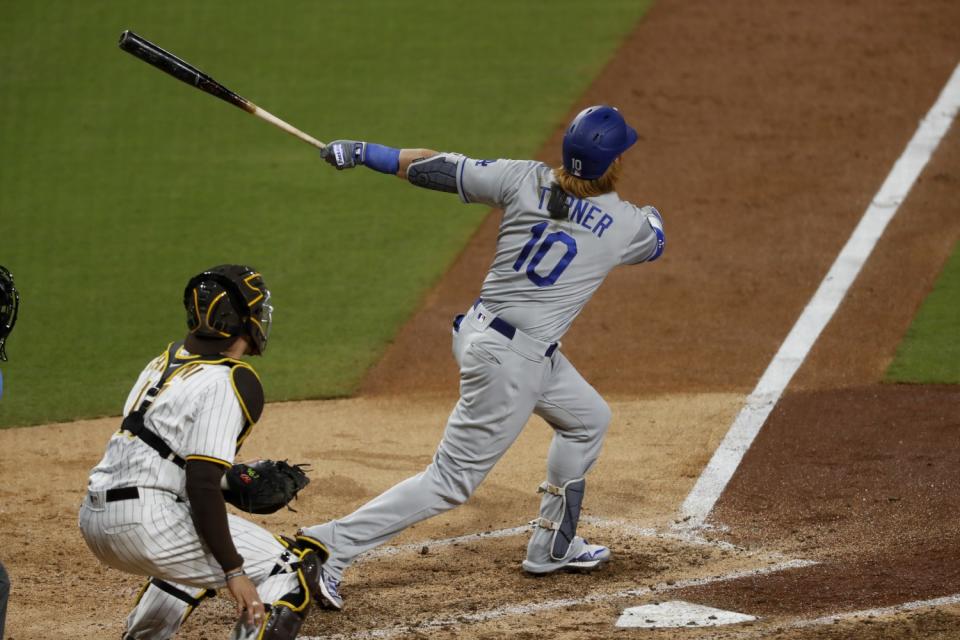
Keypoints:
(154, 505)
(563, 230)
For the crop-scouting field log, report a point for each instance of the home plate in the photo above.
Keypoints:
(678, 613)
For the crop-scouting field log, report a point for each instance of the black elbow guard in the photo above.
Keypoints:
(436, 172)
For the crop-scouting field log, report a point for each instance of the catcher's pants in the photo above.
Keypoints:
(154, 536)
(502, 381)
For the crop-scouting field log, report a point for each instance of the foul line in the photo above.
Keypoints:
(821, 307)
(527, 609)
(881, 611)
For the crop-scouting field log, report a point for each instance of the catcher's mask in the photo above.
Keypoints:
(223, 303)
(9, 305)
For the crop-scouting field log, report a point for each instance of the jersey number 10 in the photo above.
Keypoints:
(549, 241)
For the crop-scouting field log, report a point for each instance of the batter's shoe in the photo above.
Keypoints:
(329, 592)
(584, 557)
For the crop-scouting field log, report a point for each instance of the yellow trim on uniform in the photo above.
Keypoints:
(236, 392)
(306, 600)
(324, 556)
(143, 590)
(196, 308)
(209, 459)
(248, 428)
(259, 293)
(183, 354)
(163, 367)
(213, 304)
(136, 403)
(200, 597)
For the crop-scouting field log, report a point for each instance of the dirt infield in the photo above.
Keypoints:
(765, 128)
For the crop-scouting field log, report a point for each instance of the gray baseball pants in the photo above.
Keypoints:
(502, 382)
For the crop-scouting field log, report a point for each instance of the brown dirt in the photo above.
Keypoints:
(765, 130)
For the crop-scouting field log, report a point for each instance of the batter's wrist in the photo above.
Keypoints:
(381, 158)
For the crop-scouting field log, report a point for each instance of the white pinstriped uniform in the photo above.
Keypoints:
(198, 414)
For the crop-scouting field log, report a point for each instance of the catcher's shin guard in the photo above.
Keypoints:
(282, 623)
(286, 615)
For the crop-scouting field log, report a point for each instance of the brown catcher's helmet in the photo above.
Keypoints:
(223, 303)
(9, 305)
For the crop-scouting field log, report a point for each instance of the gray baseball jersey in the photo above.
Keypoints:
(544, 272)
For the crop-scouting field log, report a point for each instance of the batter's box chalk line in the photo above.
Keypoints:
(596, 597)
(693, 537)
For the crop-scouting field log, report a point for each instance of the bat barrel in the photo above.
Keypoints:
(179, 69)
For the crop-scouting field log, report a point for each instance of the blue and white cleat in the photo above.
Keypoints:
(330, 597)
(584, 557)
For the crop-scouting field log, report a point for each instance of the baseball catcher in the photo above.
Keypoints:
(563, 230)
(156, 502)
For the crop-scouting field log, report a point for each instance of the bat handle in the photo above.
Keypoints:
(263, 114)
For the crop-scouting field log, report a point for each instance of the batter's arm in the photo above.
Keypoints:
(424, 168)
(347, 154)
(409, 156)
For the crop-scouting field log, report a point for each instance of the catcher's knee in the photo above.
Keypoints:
(310, 555)
(287, 614)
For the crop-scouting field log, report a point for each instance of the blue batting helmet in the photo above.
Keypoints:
(594, 140)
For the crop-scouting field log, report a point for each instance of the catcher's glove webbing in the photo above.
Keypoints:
(264, 486)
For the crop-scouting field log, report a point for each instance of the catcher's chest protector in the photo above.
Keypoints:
(243, 379)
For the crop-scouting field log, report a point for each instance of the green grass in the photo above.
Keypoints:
(930, 353)
(118, 182)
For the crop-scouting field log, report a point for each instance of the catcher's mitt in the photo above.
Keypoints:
(264, 486)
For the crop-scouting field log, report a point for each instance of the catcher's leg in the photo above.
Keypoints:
(289, 592)
(579, 417)
(161, 609)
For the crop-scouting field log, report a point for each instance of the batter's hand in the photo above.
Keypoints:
(343, 154)
(248, 601)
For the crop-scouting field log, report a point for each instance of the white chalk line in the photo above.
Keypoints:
(592, 598)
(693, 538)
(880, 611)
(818, 312)
(845, 616)
(622, 526)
